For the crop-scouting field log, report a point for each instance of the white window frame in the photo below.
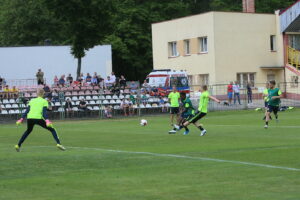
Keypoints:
(273, 46)
(203, 44)
(242, 82)
(187, 47)
(173, 52)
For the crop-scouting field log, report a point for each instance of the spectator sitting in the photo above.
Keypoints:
(50, 108)
(14, 92)
(146, 86)
(122, 82)
(154, 91)
(115, 90)
(130, 106)
(132, 98)
(108, 112)
(68, 107)
(113, 77)
(100, 81)
(1, 83)
(108, 82)
(88, 78)
(48, 93)
(94, 80)
(70, 79)
(62, 81)
(6, 92)
(144, 99)
(55, 81)
(162, 104)
(82, 105)
(125, 106)
(133, 86)
(80, 78)
(40, 77)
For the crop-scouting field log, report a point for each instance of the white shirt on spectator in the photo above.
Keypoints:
(113, 78)
(124, 103)
(236, 88)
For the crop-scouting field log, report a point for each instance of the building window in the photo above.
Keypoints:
(245, 78)
(187, 50)
(203, 45)
(173, 49)
(204, 79)
(273, 43)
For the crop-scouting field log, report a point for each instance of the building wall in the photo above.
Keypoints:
(178, 30)
(242, 44)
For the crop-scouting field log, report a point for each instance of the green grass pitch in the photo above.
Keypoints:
(120, 160)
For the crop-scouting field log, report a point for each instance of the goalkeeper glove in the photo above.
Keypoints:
(19, 121)
(49, 123)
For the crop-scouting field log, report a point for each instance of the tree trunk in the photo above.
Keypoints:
(78, 67)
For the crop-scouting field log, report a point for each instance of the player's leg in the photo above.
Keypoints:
(275, 111)
(30, 125)
(200, 126)
(42, 123)
(268, 114)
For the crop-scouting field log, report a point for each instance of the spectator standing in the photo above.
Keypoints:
(230, 92)
(122, 82)
(249, 93)
(69, 79)
(55, 81)
(236, 93)
(40, 77)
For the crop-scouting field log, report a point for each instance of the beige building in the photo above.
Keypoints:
(219, 47)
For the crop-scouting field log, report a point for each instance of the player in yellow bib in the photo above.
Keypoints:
(36, 113)
(202, 110)
(174, 97)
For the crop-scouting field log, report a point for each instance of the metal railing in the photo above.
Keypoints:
(293, 56)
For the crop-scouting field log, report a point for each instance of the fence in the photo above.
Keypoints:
(139, 101)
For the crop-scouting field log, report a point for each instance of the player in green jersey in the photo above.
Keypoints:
(203, 109)
(274, 96)
(36, 114)
(187, 113)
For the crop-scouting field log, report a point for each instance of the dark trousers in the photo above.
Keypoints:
(236, 96)
(249, 97)
(31, 123)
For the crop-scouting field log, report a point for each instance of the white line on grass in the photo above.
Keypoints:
(186, 157)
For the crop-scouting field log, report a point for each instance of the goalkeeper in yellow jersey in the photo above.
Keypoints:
(36, 114)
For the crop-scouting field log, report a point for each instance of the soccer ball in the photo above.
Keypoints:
(143, 122)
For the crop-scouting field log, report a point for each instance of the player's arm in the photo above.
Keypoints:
(214, 99)
(23, 116)
(45, 116)
(279, 95)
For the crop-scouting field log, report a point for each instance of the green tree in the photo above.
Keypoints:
(27, 22)
(86, 22)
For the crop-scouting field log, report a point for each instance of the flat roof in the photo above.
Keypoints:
(228, 12)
